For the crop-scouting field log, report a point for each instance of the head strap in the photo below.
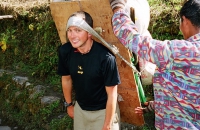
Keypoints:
(78, 22)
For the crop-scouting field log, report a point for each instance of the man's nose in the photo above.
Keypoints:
(72, 34)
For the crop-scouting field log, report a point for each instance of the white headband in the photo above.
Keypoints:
(78, 22)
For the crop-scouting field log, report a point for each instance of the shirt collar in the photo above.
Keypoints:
(195, 37)
(76, 50)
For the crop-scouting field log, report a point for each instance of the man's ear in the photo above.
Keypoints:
(185, 20)
(89, 35)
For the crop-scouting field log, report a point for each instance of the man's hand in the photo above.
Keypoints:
(139, 110)
(117, 4)
(149, 107)
(70, 111)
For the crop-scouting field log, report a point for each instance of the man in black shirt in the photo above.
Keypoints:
(91, 69)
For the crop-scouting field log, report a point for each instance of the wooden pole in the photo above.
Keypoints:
(5, 16)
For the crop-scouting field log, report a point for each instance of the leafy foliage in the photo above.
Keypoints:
(26, 112)
(32, 40)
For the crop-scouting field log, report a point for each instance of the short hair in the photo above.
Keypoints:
(191, 10)
(85, 16)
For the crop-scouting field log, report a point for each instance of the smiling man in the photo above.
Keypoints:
(91, 70)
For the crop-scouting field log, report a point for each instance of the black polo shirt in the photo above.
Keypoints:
(90, 74)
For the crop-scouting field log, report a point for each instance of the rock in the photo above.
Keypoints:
(20, 80)
(5, 128)
(46, 100)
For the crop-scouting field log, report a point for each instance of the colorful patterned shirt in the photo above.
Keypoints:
(176, 82)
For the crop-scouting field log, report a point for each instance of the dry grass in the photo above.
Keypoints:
(23, 5)
(26, 3)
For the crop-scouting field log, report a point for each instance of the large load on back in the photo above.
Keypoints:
(101, 13)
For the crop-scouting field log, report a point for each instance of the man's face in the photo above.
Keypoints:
(186, 27)
(77, 36)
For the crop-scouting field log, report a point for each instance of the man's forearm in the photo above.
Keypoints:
(110, 109)
(126, 31)
(111, 105)
(67, 88)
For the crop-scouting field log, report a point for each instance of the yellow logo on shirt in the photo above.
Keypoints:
(80, 67)
(80, 70)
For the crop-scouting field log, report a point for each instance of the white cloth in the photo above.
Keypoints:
(142, 15)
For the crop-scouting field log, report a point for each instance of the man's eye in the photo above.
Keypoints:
(69, 30)
(78, 30)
